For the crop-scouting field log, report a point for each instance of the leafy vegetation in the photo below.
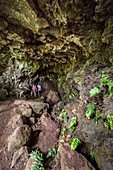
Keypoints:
(104, 81)
(63, 114)
(51, 153)
(94, 91)
(109, 122)
(38, 158)
(63, 130)
(98, 113)
(72, 124)
(92, 155)
(90, 110)
(74, 143)
(110, 85)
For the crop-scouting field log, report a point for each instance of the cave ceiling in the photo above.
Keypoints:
(54, 35)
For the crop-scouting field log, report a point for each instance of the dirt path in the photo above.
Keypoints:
(6, 113)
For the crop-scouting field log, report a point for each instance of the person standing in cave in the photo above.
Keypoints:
(39, 89)
(34, 90)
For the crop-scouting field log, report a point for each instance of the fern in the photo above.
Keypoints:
(110, 85)
(97, 116)
(37, 156)
(90, 110)
(94, 91)
(51, 153)
(92, 155)
(63, 114)
(72, 124)
(74, 143)
(110, 121)
(103, 80)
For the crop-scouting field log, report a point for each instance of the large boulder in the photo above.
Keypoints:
(71, 160)
(37, 107)
(53, 97)
(19, 137)
(49, 135)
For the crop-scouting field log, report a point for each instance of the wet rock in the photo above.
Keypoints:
(21, 154)
(71, 160)
(19, 137)
(27, 112)
(49, 135)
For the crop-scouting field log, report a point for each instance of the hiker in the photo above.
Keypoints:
(39, 89)
(34, 90)
(21, 90)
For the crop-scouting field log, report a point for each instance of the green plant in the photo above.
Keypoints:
(90, 109)
(37, 164)
(74, 143)
(97, 116)
(92, 155)
(63, 114)
(72, 124)
(106, 123)
(110, 85)
(103, 80)
(63, 130)
(51, 153)
(94, 91)
(110, 121)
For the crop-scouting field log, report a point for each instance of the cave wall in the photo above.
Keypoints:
(54, 37)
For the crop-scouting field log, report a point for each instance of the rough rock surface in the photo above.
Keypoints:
(20, 155)
(20, 137)
(71, 160)
(95, 135)
(49, 135)
(53, 97)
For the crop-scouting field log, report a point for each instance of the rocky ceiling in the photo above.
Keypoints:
(54, 35)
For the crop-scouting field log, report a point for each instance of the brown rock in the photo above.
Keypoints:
(53, 97)
(21, 154)
(49, 135)
(20, 137)
(27, 112)
(29, 164)
(71, 160)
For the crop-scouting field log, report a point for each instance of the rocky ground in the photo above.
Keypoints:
(30, 125)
